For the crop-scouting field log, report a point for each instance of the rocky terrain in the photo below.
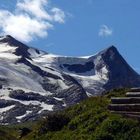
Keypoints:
(34, 83)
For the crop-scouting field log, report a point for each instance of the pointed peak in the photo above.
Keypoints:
(21, 49)
(12, 41)
(9, 36)
(111, 49)
(7, 39)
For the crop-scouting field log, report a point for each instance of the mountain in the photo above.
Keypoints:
(34, 83)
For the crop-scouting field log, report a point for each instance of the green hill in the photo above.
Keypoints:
(88, 120)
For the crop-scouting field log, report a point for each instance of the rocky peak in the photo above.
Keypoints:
(12, 41)
(110, 51)
(21, 49)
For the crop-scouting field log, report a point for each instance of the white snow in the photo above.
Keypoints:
(2, 37)
(86, 57)
(1, 117)
(64, 105)
(9, 56)
(33, 53)
(7, 51)
(36, 103)
(45, 93)
(89, 94)
(46, 107)
(58, 99)
(49, 59)
(92, 80)
(5, 95)
(54, 61)
(54, 72)
(7, 48)
(22, 116)
(6, 108)
(104, 73)
(58, 82)
(17, 77)
(92, 84)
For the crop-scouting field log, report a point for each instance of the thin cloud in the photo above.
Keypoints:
(59, 15)
(31, 19)
(105, 31)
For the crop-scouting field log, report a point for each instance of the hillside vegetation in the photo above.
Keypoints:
(88, 120)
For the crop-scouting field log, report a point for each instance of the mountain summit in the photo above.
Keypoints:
(34, 83)
(20, 48)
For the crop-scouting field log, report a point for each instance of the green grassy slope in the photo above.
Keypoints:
(88, 120)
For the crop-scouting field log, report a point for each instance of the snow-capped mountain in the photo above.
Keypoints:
(34, 83)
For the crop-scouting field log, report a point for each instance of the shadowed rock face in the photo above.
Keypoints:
(79, 68)
(34, 83)
(120, 74)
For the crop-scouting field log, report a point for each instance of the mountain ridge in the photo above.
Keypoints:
(34, 83)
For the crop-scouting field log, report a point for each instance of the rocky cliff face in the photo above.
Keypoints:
(34, 83)
(120, 74)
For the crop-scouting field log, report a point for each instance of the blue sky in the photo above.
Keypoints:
(90, 26)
